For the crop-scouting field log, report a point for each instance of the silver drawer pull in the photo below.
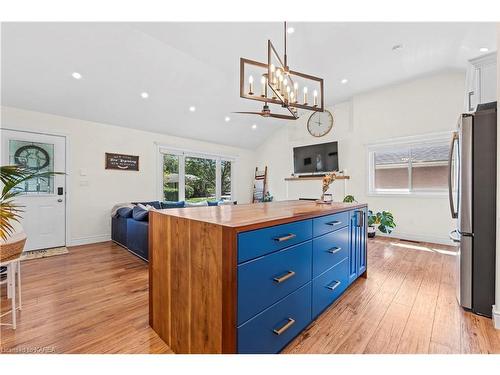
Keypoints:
(285, 277)
(333, 223)
(334, 250)
(287, 325)
(285, 238)
(334, 285)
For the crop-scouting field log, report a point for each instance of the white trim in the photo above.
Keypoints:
(89, 240)
(496, 317)
(410, 140)
(67, 185)
(166, 149)
(443, 240)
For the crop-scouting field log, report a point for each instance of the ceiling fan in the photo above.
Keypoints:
(266, 112)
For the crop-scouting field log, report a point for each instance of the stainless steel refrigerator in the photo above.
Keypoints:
(472, 195)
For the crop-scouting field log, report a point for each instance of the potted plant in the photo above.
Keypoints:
(383, 221)
(349, 199)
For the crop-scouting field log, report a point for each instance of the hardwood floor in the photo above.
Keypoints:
(406, 305)
(95, 300)
(92, 300)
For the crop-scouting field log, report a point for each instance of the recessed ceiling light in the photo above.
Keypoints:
(144, 95)
(397, 47)
(344, 81)
(254, 126)
(290, 30)
(192, 108)
(227, 119)
(76, 75)
(483, 49)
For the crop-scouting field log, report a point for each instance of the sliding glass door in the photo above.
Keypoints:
(196, 177)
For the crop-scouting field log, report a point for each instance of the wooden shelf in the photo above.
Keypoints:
(314, 178)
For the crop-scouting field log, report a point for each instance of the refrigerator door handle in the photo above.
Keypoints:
(454, 214)
(454, 238)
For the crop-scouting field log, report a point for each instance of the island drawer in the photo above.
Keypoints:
(329, 250)
(329, 223)
(263, 241)
(275, 327)
(266, 280)
(327, 287)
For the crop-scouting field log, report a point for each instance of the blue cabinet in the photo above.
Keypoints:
(357, 250)
(266, 280)
(330, 249)
(288, 274)
(272, 329)
(329, 286)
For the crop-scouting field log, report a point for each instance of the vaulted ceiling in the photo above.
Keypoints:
(197, 64)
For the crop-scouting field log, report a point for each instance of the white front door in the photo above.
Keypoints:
(44, 199)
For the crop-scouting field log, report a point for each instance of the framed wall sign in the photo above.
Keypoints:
(122, 162)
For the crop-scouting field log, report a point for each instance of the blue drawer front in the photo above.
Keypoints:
(264, 281)
(329, 223)
(259, 242)
(329, 286)
(291, 315)
(329, 250)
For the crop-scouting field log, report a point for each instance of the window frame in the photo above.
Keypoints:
(182, 154)
(400, 143)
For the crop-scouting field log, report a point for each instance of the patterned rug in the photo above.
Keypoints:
(44, 253)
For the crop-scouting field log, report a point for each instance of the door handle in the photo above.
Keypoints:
(333, 223)
(333, 286)
(287, 325)
(285, 238)
(334, 250)
(454, 214)
(285, 277)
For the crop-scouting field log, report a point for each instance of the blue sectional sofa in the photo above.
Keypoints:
(129, 226)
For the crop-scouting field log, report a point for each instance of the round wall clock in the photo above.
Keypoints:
(320, 123)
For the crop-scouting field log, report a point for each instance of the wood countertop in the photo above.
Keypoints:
(253, 216)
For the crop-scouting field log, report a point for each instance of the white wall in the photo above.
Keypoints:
(93, 195)
(427, 105)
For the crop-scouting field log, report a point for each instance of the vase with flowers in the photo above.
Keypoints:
(327, 181)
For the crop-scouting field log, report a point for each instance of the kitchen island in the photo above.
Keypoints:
(249, 278)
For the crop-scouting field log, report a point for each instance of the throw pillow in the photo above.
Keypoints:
(140, 214)
(172, 204)
(125, 212)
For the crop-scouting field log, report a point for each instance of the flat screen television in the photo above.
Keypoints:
(316, 159)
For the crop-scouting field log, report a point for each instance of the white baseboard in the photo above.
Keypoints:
(89, 240)
(443, 240)
(496, 316)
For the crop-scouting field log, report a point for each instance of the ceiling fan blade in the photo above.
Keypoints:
(285, 117)
(250, 113)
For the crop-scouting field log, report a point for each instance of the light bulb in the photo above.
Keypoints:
(315, 94)
(305, 90)
(295, 85)
(250, 85)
